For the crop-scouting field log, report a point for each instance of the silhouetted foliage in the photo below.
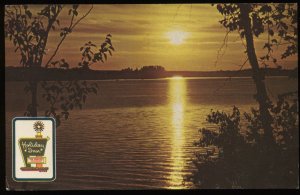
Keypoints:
(152, 69)
(29, 33)
(91, 54)
(127, 70)
(235, 155)
(66, 96)
(279, 22)
(145, 69)
(261, 149)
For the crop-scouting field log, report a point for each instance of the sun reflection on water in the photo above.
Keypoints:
(177, 100)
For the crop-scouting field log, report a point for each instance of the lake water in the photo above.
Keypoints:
(136, 134)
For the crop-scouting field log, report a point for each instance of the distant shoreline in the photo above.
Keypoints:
(42, 74)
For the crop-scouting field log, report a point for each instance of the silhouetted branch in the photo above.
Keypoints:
(82, 17)
(65, 35)
(176, 13)
(44, 40)
(231, 76)
(224, 44)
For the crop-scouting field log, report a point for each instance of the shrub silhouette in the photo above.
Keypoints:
(235, 154)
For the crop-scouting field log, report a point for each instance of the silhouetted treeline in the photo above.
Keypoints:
(147, 72)
(145, 69)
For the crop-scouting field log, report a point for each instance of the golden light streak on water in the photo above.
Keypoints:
(177, 100)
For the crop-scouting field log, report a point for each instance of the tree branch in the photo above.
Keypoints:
(65, 35)
(228, 79)
(224, 44)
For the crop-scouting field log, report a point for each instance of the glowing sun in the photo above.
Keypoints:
(177, 37)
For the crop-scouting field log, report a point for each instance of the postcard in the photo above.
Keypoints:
(151, 96)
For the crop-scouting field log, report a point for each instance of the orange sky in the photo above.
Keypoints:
(141, 36)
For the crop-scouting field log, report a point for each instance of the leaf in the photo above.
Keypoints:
(66, 114)
(75, 12)
(111, 47)
(57, 120)
(274, 41)
(219, 7)
(284, 25)
(28, 13)
(94, 90)
(108, 41)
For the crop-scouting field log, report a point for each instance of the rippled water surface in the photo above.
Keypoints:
(136, 134)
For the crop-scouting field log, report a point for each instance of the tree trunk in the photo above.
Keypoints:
(33, 111)
(258, 76)
(33, 87)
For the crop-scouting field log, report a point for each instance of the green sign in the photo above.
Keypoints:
(32, 147)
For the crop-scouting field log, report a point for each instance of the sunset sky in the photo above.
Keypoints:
(176, 36)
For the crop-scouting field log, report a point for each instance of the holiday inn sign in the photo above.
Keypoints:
(34, 149)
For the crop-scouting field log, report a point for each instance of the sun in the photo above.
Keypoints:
(177, 37)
